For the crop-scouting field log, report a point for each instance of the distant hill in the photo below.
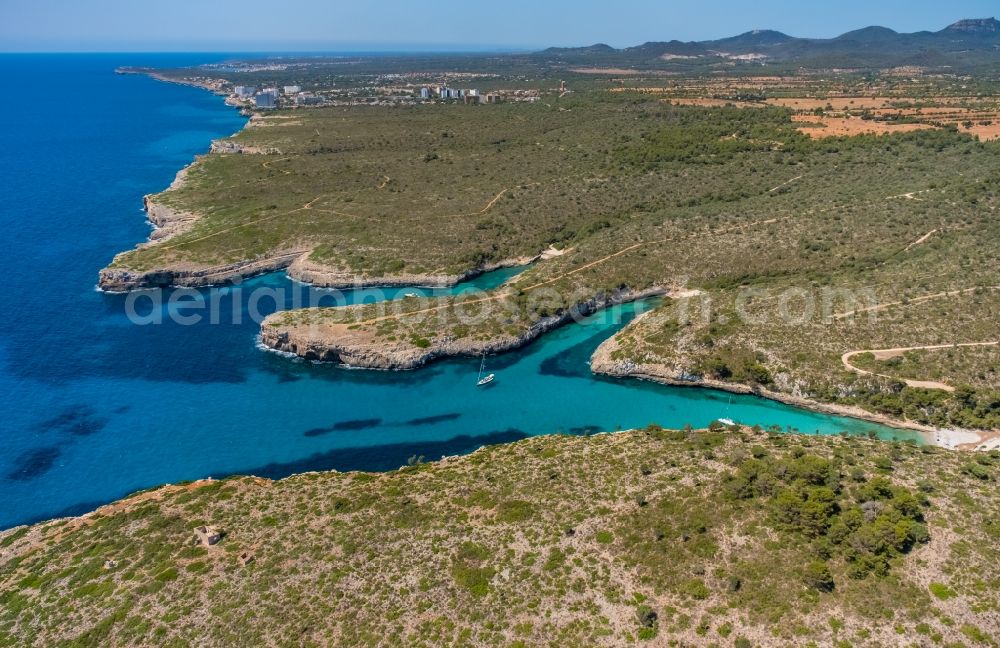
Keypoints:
(975, 27)
(969, 42)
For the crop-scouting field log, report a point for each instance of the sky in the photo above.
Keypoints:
(341, 25)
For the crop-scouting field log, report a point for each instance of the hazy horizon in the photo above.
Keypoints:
(307, 26)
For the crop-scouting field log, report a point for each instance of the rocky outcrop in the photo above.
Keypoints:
(308, 271)
(317, 274)
(114, 279)
(975, 26)
(226, 146)
(167, 221)
(359, 347)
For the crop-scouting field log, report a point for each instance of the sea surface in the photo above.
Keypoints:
(94, 406)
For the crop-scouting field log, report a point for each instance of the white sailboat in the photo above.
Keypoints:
(728, 421)
(484, 380)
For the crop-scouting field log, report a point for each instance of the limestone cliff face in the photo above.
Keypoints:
(317, 274)
(112, 279)
(604, 362)
(227, 146)
(361, 348)
(297, 263)
(169, 222)
(308, 271)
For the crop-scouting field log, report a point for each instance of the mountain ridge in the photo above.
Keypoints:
(966, 41)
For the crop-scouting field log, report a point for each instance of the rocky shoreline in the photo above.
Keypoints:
(295, 262)
(603, 363)
(359, 348)
(316, 274)
(121, 280)
(215, 86)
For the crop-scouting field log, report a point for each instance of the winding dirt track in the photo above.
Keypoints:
(914, 301)
(308, 205)
(885, 354)
(920, 240)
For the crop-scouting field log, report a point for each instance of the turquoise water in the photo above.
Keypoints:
(94, 407)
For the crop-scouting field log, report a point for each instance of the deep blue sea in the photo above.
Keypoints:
(93, 407)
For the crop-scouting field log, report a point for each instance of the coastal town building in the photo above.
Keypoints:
(265, 100)
(307, 99)
(292, 89)
(445, 92)
(244, 92)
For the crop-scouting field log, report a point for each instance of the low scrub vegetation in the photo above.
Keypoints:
(732, 537)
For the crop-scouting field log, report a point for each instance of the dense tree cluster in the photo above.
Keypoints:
(866, 524)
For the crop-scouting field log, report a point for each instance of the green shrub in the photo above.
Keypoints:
(515, 511)
(696, 589)
(468, 568)
(941, 591)
(977, 471)
(475, 579)
(168, 574)
(14, 537)
(818, 577)
(975, 634)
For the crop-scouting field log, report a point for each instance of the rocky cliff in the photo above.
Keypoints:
(360, 347)
(309, 271)
(112, 279)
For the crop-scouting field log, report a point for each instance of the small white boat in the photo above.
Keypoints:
(410, 294)
(728, 421)
(484, 380)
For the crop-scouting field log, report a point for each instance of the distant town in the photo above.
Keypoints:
(384, 90)
(292, 95)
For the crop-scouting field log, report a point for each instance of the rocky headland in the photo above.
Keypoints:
(360, 346)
